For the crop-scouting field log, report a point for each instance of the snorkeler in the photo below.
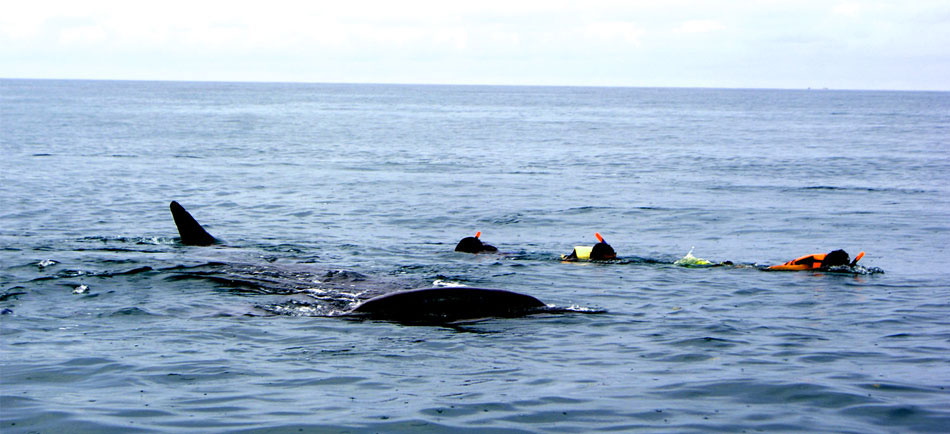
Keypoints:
(819, 261)
(598, 252)
(474, 245)
(691, 261)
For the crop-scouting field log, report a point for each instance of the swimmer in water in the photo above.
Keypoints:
(819, 261)
(598, 252)
(474, 245)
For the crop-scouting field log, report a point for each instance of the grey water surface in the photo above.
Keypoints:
(326, 194)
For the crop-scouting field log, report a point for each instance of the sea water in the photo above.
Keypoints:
(110, 324)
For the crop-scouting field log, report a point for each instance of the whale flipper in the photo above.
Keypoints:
(191, 232)
(441, 305)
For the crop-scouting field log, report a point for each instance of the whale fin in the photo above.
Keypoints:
(191, 232)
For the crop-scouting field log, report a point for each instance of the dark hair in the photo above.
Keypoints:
(473, 245)
(602, 251)
(836, 258)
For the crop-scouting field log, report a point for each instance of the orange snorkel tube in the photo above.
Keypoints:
(857, 258)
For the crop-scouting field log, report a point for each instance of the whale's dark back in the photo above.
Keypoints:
(448, 304)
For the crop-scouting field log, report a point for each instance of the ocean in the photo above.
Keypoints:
(326, 194)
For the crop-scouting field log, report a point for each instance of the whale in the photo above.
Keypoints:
(437, 305)
(448, 304)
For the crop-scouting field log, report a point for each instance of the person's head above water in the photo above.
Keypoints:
(836, 258)
(474, 245)
(598, 252)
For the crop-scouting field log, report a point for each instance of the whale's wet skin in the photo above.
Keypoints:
(323, 197)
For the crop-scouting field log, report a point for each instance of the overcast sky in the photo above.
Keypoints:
(691, 43)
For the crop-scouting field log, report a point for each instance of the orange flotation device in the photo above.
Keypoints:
(808, 262)
(817, 261)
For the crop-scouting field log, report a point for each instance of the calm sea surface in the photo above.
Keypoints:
(326, 194)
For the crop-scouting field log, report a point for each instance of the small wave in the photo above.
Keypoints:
(706, 342)
(301, 309)
(12, 292)
(857, 189)
(131, 311)
(128, 240)
(343, 276)
(439, 283)
(857, 269)
(508, 219)
(585, 209)
(691, 261)
(579, 309)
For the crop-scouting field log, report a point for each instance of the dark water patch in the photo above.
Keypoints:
(234, 284)
(322, 382)
(72, 273)
(686, 357)
(108, 240)
(909, 417)
(294, 250)
(13, 402)
(216, 409)
(133, 271)
(139, 413)
(415, 425)
(205, 375)
(62, 274)
(207, 402)
(61, 421)
(42, 265)
(901, 388)
(12, 293)
(89, 371)
(582, 210)
(193, 424)
(829, 357)
(755, 392)
(706, 342)
(128, 311)
(343, 276)
(507, 219)
(554, 419)
(799, 338)
(751, 291)
(723, 328)
(863, 189)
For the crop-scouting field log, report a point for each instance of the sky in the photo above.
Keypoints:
(893, 45)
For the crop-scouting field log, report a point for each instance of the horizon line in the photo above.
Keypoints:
(599, 86)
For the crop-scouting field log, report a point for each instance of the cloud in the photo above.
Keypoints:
(699, 26)
(849, 9)
(613, 32)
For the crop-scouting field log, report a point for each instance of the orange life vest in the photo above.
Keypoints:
(808, 262)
